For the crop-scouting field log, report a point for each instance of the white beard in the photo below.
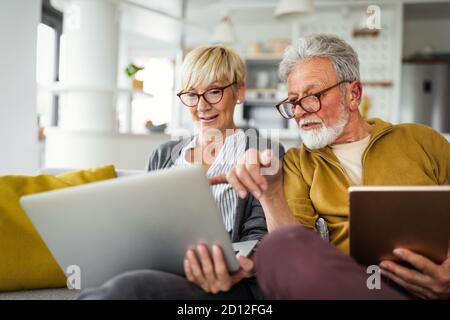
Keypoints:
(322, 137)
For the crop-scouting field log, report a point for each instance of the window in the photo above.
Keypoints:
(158, 77)
(45, 72)
(47, 63)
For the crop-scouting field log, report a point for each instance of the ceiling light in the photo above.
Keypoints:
(224, 32)
(293, 8)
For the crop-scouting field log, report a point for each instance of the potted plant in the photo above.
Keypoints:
(131, 71)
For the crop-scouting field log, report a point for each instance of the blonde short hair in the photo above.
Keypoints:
(209, 64)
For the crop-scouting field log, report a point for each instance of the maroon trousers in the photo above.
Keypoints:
(295, 263)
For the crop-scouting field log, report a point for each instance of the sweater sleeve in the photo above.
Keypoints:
(252, 224)
(153, 161)
(297, 191)
(164, 155)
(438, 149)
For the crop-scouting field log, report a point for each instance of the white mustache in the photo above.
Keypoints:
(306, 121)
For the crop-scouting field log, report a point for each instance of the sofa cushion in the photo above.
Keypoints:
(41, 294)
(26, 263)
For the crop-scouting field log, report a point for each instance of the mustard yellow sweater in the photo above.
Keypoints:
(316, 184)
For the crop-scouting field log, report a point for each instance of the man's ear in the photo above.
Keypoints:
(355, 95)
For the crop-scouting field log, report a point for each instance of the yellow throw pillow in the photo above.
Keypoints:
(25, 261)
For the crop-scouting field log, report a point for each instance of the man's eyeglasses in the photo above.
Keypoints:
(212, 96)
(310, 103)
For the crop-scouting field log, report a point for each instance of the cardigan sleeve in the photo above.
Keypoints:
(250, 221)
(297, 191)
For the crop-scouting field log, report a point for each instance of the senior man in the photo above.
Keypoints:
(340, 149)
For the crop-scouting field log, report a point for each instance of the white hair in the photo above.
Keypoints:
(344, 58)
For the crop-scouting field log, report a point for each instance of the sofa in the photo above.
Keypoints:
(58, 293)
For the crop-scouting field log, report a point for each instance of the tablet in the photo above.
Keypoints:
(388, 217)
(146, 221)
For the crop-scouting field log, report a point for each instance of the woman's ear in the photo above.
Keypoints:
(241, 93)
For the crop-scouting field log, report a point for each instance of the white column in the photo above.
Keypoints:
(89, 64)
(18, 118)
(124, 100)
(87, 135)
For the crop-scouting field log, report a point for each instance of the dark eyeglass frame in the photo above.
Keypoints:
(222, 89)
(298, 102)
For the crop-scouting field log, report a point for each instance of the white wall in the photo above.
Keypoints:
(18, 116)
(73, 149)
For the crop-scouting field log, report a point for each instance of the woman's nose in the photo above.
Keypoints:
(202, 104)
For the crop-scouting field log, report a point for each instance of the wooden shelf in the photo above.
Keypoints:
(261, 96)
(57, 88)
(377, 83)
(262, 102)
(427, 60)
(264, 57)
(365, 33)
(262, 90)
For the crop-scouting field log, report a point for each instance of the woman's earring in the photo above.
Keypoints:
(238, 101)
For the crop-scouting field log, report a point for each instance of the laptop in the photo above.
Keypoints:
(145, 221)
(383, 218)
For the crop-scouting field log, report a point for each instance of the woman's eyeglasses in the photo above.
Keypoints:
(212, 96)
(310, 103)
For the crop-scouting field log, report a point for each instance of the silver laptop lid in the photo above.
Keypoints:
(138, 222)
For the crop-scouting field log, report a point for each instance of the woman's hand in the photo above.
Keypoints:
(210, 272)
(429, 281)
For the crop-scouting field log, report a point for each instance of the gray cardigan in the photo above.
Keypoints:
(250, 222)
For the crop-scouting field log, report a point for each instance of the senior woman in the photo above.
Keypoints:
(213, 82)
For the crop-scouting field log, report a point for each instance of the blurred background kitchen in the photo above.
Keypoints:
(90, 82)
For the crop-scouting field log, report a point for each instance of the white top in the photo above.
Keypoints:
(224, 194)
(350, 157)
